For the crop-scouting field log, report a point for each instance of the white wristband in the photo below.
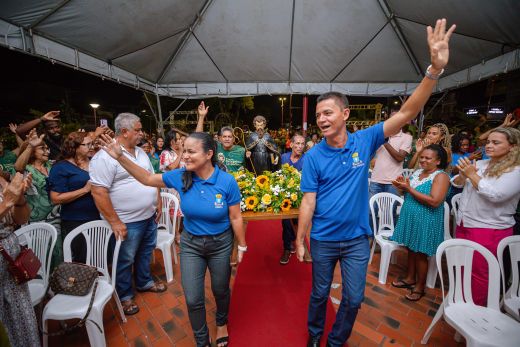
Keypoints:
(242, 248)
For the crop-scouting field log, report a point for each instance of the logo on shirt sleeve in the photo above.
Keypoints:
(218, 201)
(356, 162)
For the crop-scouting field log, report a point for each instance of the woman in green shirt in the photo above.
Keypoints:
(34, 159)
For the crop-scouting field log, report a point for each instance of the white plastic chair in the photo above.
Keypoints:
(455, 201)
(166, 229)
(61, 307)
(431, 277)
(480, 326)
(384, 225)
(511, 298)
(41, 238)
(407, 173)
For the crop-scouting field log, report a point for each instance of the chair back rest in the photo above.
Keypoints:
(513, 242)
(385, 203)
(459, 262)
(407, 173)
(41, 238)
(97, 235)
(170, 204)
(447, 234)
(455, 201)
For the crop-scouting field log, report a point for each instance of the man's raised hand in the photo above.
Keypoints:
(438, 39)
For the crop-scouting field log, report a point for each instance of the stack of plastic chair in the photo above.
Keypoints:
(511, 298)
(384, 225)
(62, 307)
(41, 238)
(479, 325)
(166, 229)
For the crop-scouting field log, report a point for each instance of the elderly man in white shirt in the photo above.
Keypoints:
(130, 208)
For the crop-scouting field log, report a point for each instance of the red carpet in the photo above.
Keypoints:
(269, 301)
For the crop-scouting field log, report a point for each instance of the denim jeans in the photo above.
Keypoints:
(353, 259)
(136, 250)
(197, 254)
(288, 233)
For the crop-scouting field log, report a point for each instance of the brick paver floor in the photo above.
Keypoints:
(385, 317)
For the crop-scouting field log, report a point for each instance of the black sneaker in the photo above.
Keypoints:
(285, 257)
(293, 248)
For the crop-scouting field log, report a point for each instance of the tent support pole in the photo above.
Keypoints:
(159, 113)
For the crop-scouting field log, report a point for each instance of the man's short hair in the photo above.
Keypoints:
(226, 128)
(125, 121)
(293, 138)
(340, 99)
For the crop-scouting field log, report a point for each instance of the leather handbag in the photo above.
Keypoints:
(26, 265)
(73, 279)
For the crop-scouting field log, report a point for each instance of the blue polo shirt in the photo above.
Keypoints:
(205, 205)
(286, 159)
(339, 177)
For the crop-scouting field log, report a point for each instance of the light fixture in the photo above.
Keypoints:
(94, 107)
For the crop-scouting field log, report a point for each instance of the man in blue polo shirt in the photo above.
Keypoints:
(295, 158)
(335, 201)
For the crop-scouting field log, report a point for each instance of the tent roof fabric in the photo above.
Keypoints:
(230, 48)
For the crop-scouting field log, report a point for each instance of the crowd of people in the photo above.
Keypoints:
(84, 176)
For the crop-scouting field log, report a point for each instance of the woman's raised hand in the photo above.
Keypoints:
(33, 139)
(14, 190)
(202, 110)
(111, 146)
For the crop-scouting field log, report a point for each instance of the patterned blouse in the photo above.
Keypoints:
(37, 196)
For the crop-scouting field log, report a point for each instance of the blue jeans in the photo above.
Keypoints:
(199, 253)
(136, 250)
(375, 188)
(353, 259)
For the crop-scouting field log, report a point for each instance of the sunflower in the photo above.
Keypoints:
(286, 205)
(266, 199)
(262, 181)
(294, 196)
(251, 202)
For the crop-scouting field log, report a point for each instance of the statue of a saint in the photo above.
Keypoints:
(261, 149)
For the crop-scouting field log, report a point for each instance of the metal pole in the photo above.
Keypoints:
(95, 118)
(305, 110)
(159, 112)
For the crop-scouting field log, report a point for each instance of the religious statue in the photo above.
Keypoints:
(261, 149)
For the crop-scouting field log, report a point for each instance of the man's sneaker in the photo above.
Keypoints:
(285, 257)
(293, 248)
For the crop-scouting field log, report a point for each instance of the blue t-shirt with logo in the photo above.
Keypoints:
(205, 205)
(286, 159)
(339, 177)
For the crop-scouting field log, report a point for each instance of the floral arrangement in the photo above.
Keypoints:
(270, 192)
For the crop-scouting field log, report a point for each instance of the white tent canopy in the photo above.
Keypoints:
(248, 47)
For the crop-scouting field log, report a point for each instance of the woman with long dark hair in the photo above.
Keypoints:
(171, 156)
(210, 200)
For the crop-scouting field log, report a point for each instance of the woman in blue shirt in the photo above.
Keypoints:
(69, 186)
(210, 201)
